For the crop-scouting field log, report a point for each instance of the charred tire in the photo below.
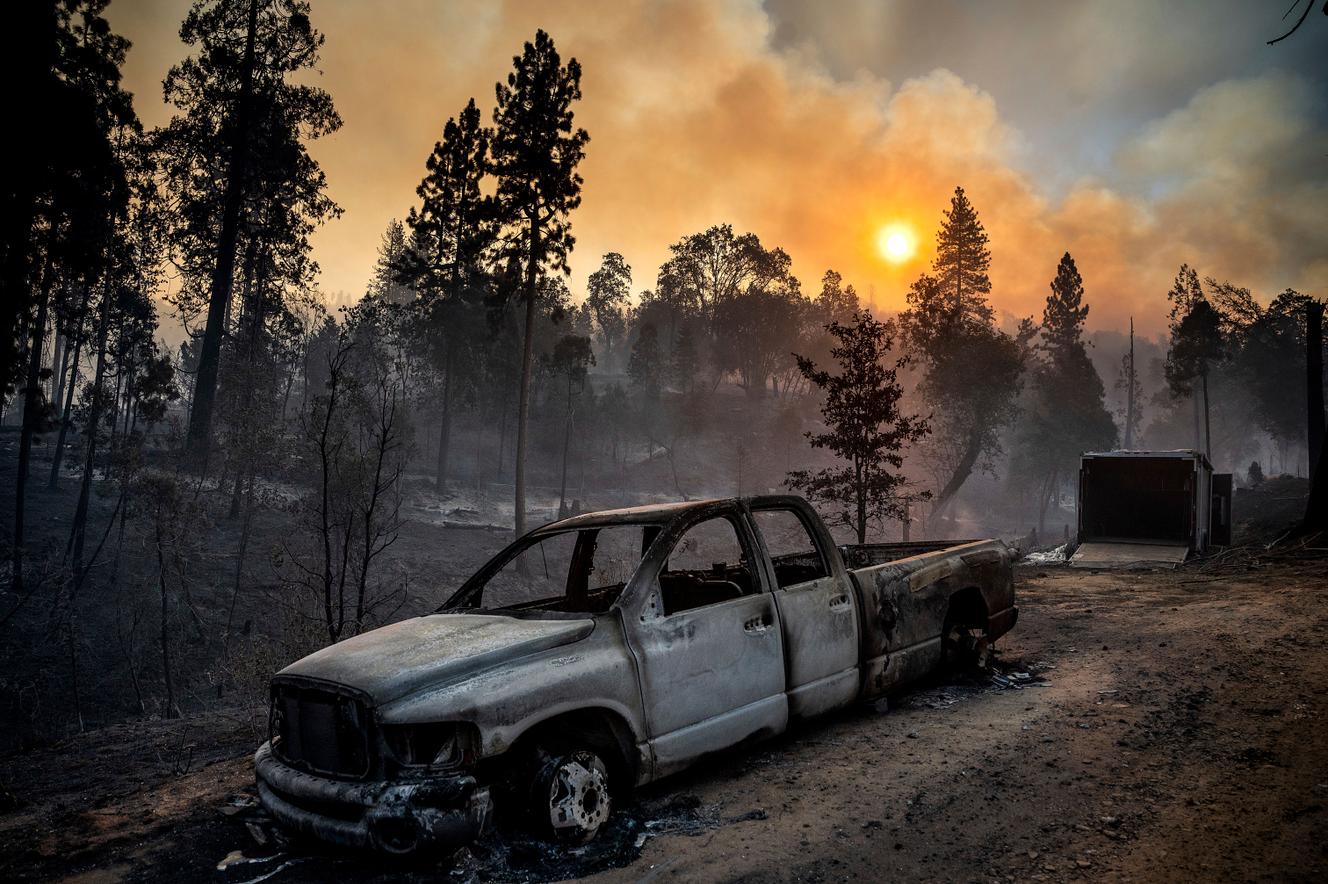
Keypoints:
(965, 647)
(570, 794)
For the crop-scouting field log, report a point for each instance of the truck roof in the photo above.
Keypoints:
(660, 512)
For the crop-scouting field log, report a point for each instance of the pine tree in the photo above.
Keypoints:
(385, 284)
(962, 260)
(1066, 413)
(451, 233)
(453, 227)
(972, 370)
(1197, 343)
(646, 363)
(66, 188)
(866, 426)
(264, 193)
(1185, 293)
(682, 361)
(1063, 317)
(535, 155)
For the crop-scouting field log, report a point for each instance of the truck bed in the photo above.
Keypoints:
(907, 593)
(866, 555)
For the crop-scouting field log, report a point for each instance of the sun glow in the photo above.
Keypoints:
(896, 243)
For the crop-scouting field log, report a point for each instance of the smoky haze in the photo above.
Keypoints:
(300, 337)
(1135, 135)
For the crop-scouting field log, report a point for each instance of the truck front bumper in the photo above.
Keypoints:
(438, 813)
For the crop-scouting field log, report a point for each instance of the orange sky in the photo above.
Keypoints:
(700, 114)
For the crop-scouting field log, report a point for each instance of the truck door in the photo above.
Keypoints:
(708, 645)
(816, 611)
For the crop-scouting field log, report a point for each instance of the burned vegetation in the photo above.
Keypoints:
(504, 572)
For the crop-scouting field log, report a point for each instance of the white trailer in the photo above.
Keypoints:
(1149, 508)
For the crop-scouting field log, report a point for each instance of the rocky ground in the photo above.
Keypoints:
(1142, 726)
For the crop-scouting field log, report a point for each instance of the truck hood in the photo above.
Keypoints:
(396, 660)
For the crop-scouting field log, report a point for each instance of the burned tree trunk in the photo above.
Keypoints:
(66, 410)
(1314, 380)
(32, 413)
(209, 362)
(79, 528)
(1316, 508)
(962, 471)
(164, 628)
(1129, 395)
(445, 422)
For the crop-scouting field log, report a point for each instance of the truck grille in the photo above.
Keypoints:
(320, 730)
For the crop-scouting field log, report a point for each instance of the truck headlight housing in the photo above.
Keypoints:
(435, 744)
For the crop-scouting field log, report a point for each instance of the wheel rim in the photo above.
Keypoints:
(964, 649)
(578, 796)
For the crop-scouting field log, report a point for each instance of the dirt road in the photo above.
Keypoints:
(1170, 727)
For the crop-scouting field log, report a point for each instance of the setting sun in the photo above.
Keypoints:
(896, 243)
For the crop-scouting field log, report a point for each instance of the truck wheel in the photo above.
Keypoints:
(571, 795)
(965, 649)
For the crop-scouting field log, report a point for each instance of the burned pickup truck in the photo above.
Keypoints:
(605, 651)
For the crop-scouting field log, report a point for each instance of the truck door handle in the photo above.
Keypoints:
(839, 602)
(756, 625)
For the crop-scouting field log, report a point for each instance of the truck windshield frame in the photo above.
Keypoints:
(471, 595)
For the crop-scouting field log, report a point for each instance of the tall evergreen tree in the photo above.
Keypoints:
(535, 154)
(1063, 317)
(453, 227)
(1066, 414)
(236, 92)
(836, 302)
(962, 260)
(450, 235)
(386, 282)
(64, 192)
(646, 365)
(1196, 344)
(972, 370)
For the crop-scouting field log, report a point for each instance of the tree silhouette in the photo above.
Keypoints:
(386, 283)
(962, 260)
(715, 265)
(451, 233)
(1196, 344)
(234, 92)
(866, 427)
(645, 367)
(759, 327)
(971, 369)
(607, 293)
(66, 190)
(1304, 14)
(1066, 413)
(535, 155)
(570, 361)
(1128, 382)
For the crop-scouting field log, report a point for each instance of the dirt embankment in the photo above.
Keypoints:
(1170, 727)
